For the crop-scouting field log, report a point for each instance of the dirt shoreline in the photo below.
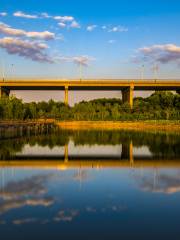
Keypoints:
(110, 125)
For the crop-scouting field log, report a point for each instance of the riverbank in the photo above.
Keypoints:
(110, 125)
(16, 123)
(160, 125)
(15, 128)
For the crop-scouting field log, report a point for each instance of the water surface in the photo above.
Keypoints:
(90, 185)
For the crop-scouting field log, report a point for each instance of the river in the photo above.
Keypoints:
(90, 185)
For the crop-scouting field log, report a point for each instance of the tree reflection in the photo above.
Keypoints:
(161, 145)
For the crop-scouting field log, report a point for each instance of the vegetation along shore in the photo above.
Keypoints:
(161, 110)
(173, 126)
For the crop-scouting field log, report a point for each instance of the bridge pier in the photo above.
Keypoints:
(127, 95)
(4, 92)
(66, 101)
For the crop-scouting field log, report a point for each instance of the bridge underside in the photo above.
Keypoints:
(90, 88)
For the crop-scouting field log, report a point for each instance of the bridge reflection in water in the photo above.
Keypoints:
(85, 150)
(127, 159)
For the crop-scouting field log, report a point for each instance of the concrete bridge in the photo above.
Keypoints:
(126, 86)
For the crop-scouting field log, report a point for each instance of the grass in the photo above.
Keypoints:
(155, 125)
(116, 125)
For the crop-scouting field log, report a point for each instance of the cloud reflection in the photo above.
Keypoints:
(162, 184)
(81, 175)
(66, 215)
(24, 221)
(27, 192)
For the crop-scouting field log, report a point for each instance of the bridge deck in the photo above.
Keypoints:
(94, 84)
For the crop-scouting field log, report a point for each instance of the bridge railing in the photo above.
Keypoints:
(39, 79)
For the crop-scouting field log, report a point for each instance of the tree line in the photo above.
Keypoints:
(161, 105)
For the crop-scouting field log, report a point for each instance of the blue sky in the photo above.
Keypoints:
(111, 39)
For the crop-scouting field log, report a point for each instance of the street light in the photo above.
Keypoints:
(2, 66)
(80, 71)
(2, 70)
(80, 62)
(142, 72)
(12, 67)
(155, 70)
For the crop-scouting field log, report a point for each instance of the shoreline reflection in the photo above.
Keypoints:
(87, 145)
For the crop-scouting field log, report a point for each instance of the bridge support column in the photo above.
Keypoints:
(4, 92)
(127, 95)
(66, 96)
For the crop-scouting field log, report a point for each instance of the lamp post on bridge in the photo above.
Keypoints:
(142, 72)
(2, 71)
(12, 68)
(155, 70)
(80, 71)
(81, 61)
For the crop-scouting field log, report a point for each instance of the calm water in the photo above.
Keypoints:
(90, 185)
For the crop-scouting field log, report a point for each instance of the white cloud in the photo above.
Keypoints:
(46, 35)
(3, 14)
(7, 30)
(112, 41)
(83, 60)
(75, 24)
(24, 15)
(61, 24)
(64, 18)
(118, 29)
(104, 27)
(45, 15)
(29, 49)
(91, 28)
(161, 53)
(59, 37)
